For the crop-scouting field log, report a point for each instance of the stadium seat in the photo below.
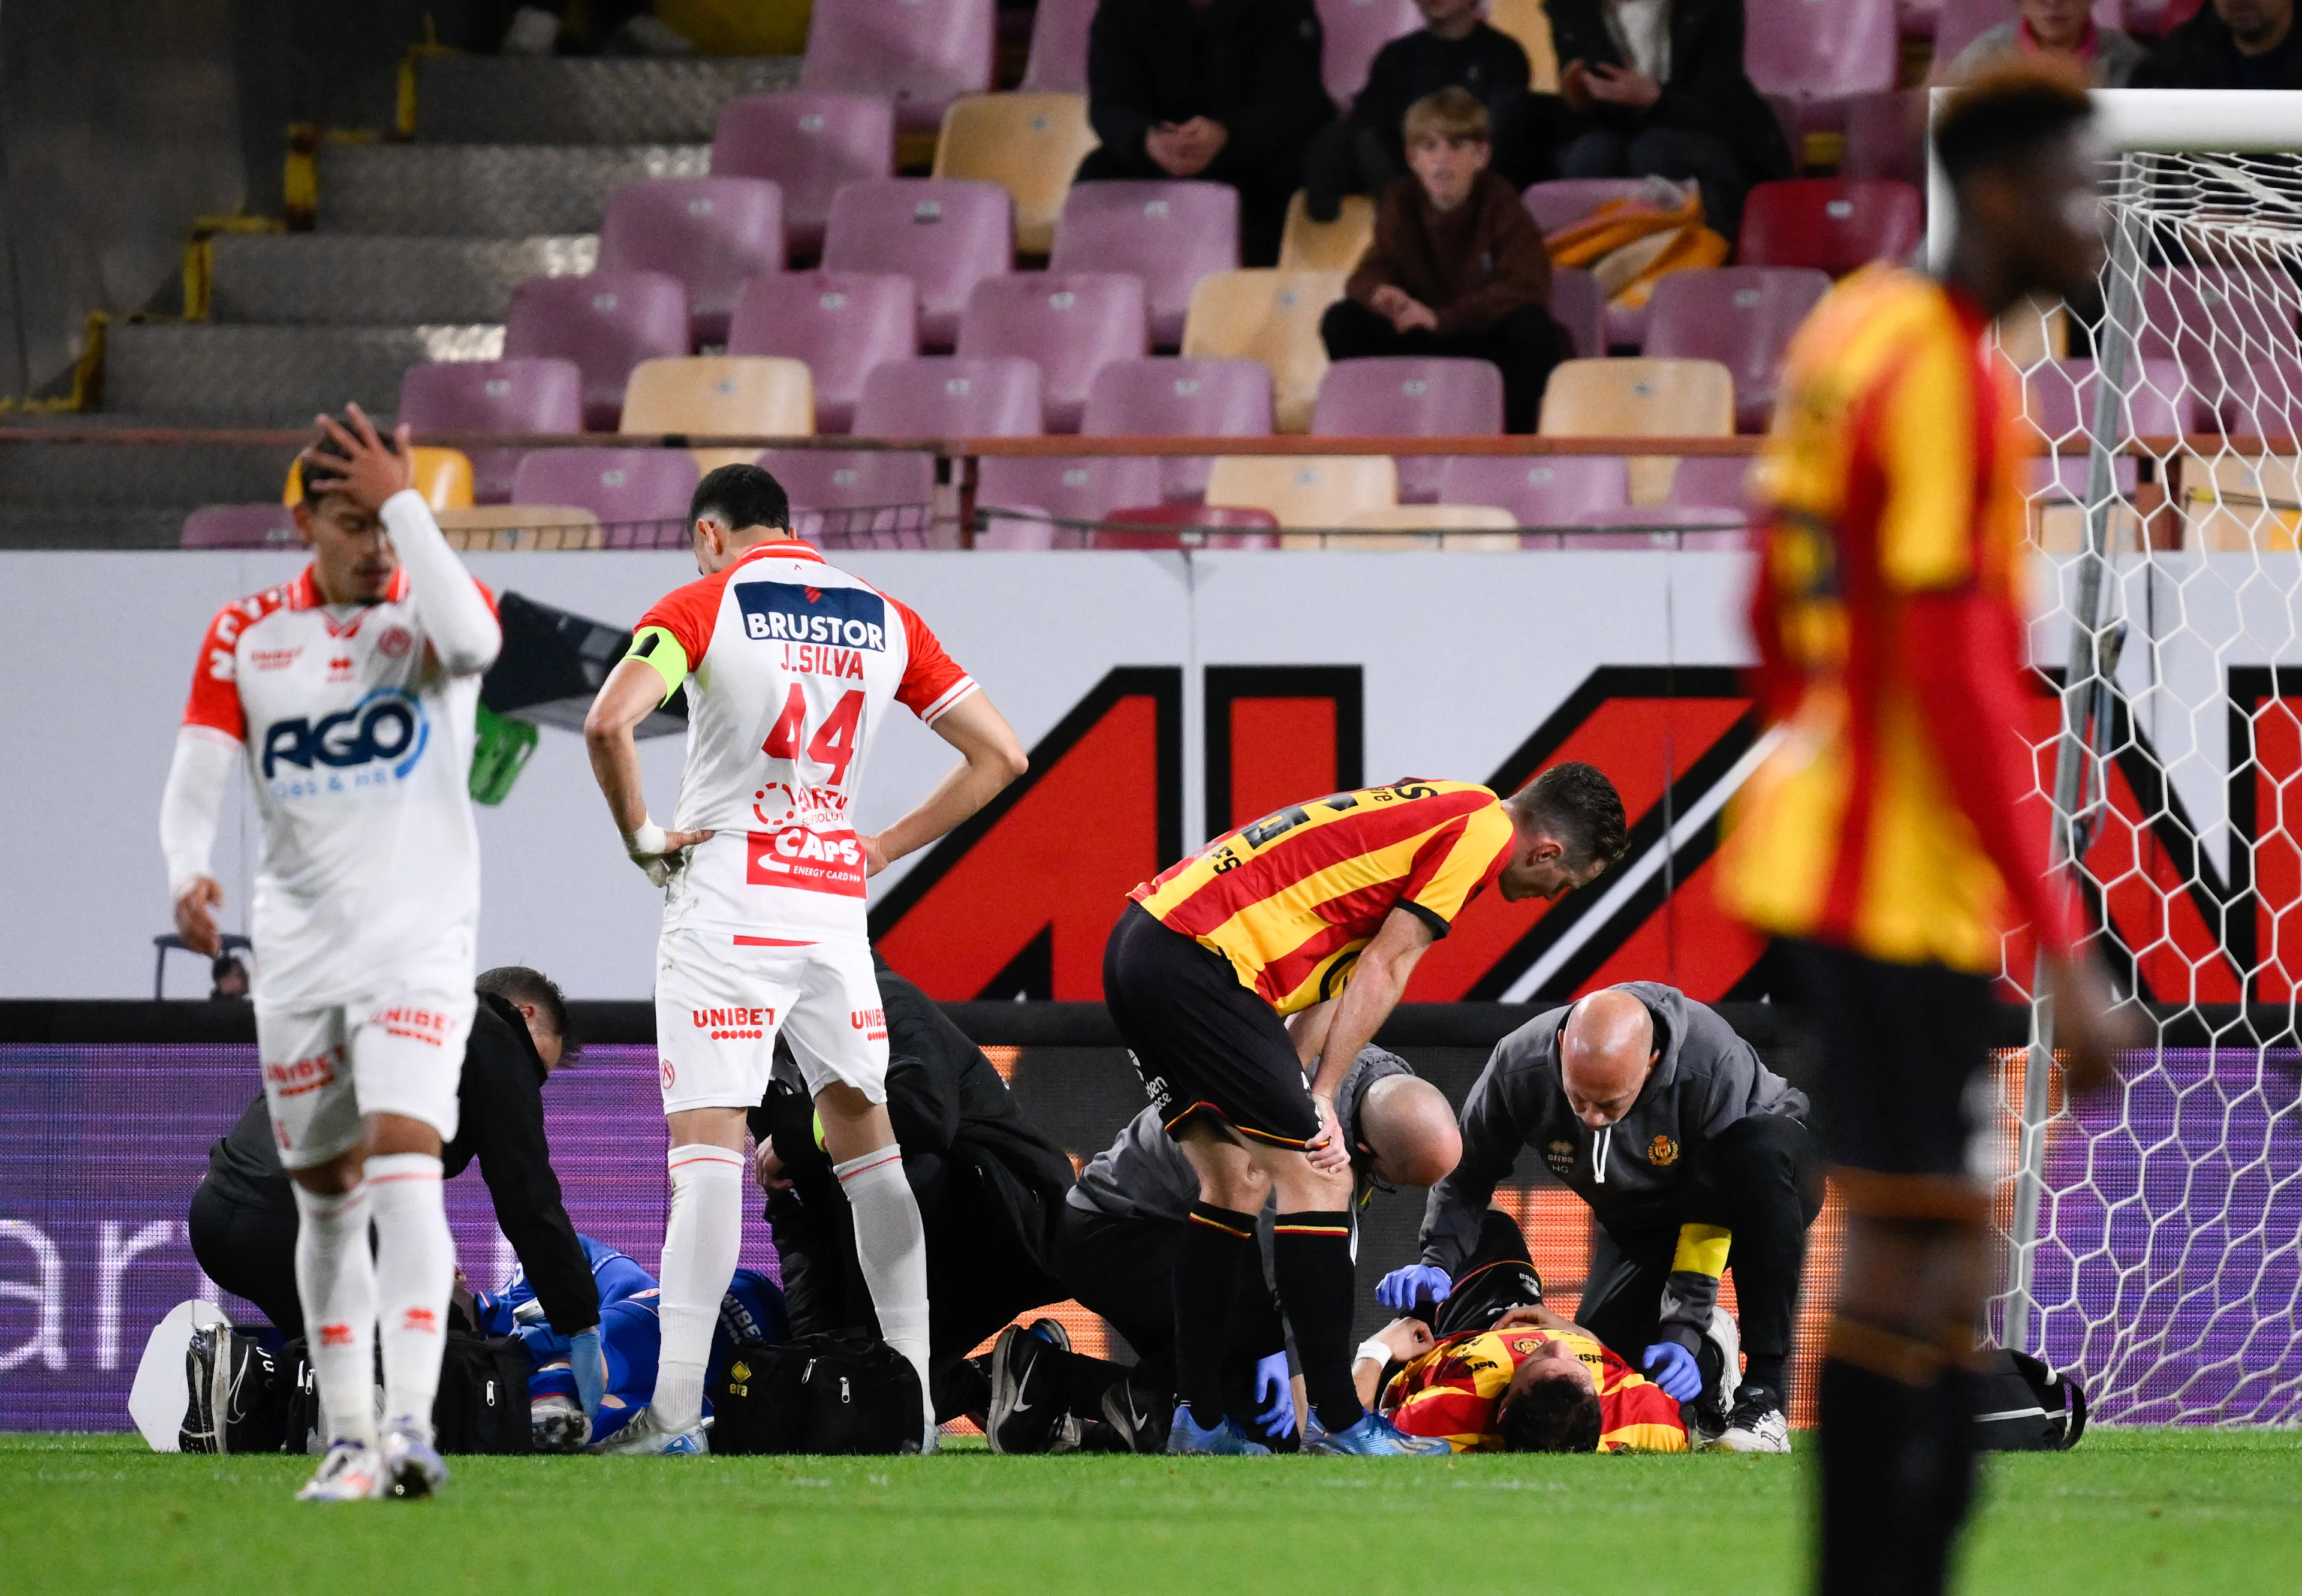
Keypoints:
(1180, 526)
(1887, 137)
(842, 497)
(238, 526)
(705, 394)
(1562, 202)
(841, 324)
(713, 233)
(1023, 529)
(1577, 306)
(811, 144)
(1718, 482)
(1810, 50)
(1529, 23)
(1072, 323)
(1356, 31)
(1542, 491)
(1072, 490)
(1169, 234)
(1269, 316)
(2219, 322)
(2264, 401)
(2058, 399)
(1406, 396)
(1640, 398)
(1740, 316)
(1028, 144)
(946, 236)
(1057, 63)
(606, 324)
(508, 528)
(1168, 397)
(1308, 246)
(920, 56)
(1303, 491)
(1460, 526)
(951, 395)
(492, 396)
(1833, 225)
(442, 475)
(631, 491)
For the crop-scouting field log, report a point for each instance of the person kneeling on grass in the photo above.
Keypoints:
(1458, 267)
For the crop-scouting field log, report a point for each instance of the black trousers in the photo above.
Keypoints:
(1525, 344)
(250, 1252)
(1761, 1179)
(1264, 188)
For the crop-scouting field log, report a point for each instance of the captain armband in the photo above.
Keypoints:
(661, 650)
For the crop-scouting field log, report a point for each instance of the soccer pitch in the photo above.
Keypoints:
(2129, 1510)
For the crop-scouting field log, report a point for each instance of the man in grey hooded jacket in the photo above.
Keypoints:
(1692, 1155)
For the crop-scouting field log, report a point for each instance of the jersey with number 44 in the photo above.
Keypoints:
(790, 665)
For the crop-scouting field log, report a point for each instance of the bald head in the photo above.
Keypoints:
(1604, 1054)
(1406, 1124)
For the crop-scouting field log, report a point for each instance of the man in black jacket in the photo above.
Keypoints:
(2229, 44)
(1227, 91)
(1656, 88)
(1692, 1155)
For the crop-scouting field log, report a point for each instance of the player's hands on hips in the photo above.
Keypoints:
(1326, 1151)
(1402, 1289)
(1274, 1395)
(660, 853)
(1673, 1367)
(369, 470)
(196, 920)
(2087, 1026)
(875, 855)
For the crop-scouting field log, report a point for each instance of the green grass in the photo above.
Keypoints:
(2130, 1510)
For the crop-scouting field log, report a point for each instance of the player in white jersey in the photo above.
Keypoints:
(791, 665)
(350, 695)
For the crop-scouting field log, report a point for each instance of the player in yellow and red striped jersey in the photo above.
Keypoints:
(1319, 912)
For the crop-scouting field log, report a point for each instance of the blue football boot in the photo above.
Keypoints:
(1373, 1436)
(1185, 1438)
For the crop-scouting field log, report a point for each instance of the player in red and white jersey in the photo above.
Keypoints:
(792, 665)
(350, 696)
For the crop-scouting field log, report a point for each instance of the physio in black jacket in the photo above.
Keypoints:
(243, 1217)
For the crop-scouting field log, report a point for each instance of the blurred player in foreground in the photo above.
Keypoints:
(1319, 911)
(350, 692)
(1879, 843)
(791, 665)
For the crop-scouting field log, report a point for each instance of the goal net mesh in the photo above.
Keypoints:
(2164, 1260)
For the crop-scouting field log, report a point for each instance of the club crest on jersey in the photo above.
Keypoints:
(851, 617)
(387, 727)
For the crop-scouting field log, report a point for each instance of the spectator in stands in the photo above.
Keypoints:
(2063, 29)
(1457, 266)
(1656, 88)
(2231, 44)
(1366, 153)
(1225, 90)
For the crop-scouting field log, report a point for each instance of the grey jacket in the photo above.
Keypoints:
(2116, 57)
(1632, 1173)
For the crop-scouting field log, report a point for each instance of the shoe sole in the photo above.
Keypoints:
(1004, 1386)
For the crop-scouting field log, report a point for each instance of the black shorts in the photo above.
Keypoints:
(1203, 1042)
(1497, 1277)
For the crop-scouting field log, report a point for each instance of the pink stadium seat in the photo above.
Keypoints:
(2265, 402)
(1403, 396)
(2219, 321)
(1541, 491)
(492, 396)
(951, 395)
(921, 53)
(606, 324)
(1170, 398)
(1356, 31)
(1074, 323)
(1660, 526)
(1164, 526)
(845, 497)
(1058, 59)
(809, 144)
(1740, 316)
(1717, 482)
(1833, 225)
(945, 234)
(1577, 304)
(1886, 138)
(1073, 489)
(627, 487)
(713, 233)
(2058, 400)
(842, 323)
(239, 527)
(1564, 201)
(1821, 50)
(1170, 234)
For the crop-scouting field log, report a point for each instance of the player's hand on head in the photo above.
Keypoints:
(1402, 1289)
(196, 920)
(1673, 1368)
(358, 461)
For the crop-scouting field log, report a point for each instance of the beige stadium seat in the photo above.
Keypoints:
(1307, 490)
(1028, 144)
(1640, 399)
(442, 475)
(765, 395)
(1308, 246)
(499, 528)
(1529, 23)
(1272, 316)
(1482, 526)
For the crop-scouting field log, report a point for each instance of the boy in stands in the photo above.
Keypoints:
(350, 693)
(791, 665)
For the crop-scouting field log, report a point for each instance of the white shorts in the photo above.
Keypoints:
(326, 1069)
(720, 1007)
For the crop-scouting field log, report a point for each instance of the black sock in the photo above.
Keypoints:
(1770, 1373)
(1207, 1282)
(1897, 1464)
(1311, 1254)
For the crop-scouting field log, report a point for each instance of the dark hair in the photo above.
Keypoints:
(1578, 805)
(2003, 117)
(742, 496)
(315, 480)
(1551, 1416)
(517, 984)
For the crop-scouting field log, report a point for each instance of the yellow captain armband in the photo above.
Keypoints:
(661, 650)
(1702, 1251)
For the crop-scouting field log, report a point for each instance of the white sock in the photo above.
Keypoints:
(415, 1269)
(892, 1246)
(701, 1241)
(335, 1282)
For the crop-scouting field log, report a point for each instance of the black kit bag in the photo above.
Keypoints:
(483, 1403)
(2021, 1406)
(244, 1397)
(834, 1394)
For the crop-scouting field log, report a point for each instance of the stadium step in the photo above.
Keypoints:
(206, 375)
(508, 99)
(101, 478)
(486, 191)
(345, 279)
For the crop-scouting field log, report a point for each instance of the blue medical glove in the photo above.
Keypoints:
(1400, 1289)
(587, 1360)
(1275, 1394)
(1673, 1367)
